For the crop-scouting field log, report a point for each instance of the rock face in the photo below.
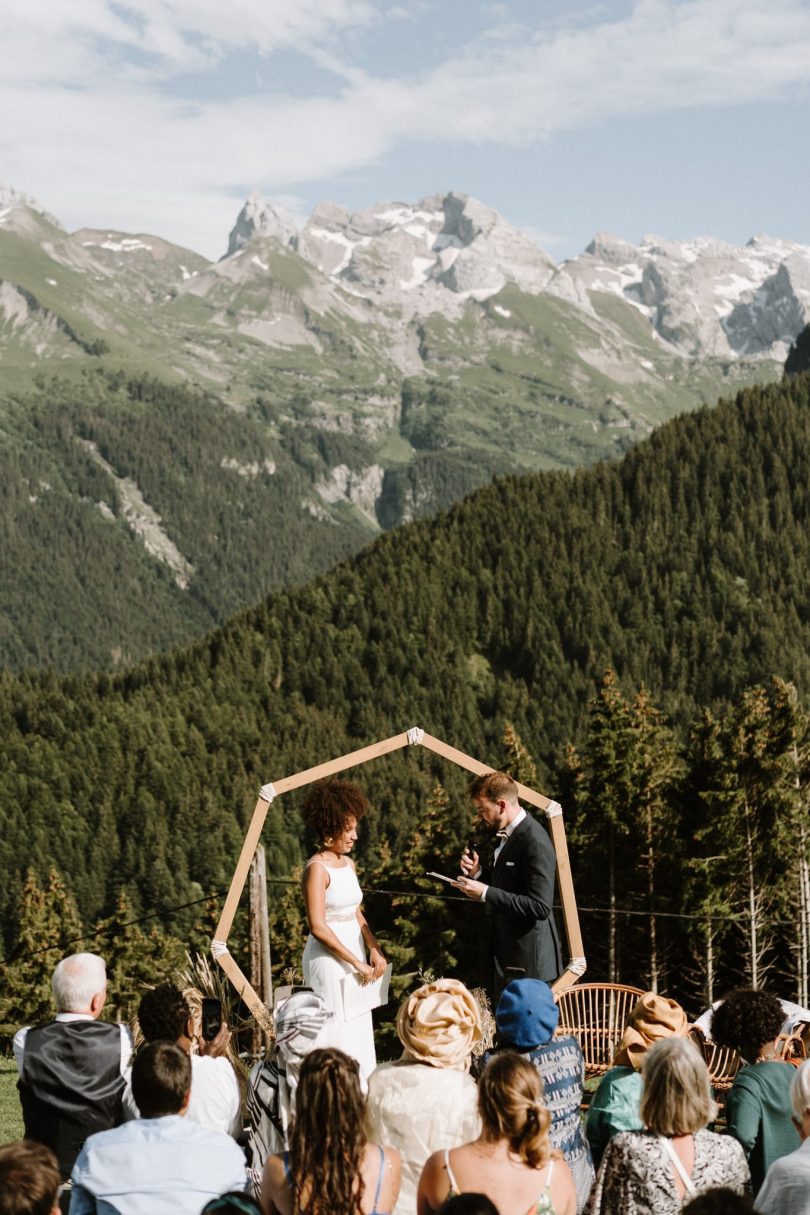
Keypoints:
(261, 218)
(702, 297)
(429, 256)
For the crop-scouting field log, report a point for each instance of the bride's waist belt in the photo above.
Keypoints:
(341, 917)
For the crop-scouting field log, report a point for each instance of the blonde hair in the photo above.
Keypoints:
(677, 1095)
(800, 1090)
(510, 1102)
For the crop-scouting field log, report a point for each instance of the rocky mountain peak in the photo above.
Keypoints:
(259, 217)
(17, 209)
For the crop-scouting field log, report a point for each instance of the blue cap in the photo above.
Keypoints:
(527, 1014)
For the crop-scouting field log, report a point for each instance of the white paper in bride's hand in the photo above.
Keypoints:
(358, 999)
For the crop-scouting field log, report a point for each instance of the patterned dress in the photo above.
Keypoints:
(636, 1176)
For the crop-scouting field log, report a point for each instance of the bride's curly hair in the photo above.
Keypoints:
(328, 1136)
(330, 804)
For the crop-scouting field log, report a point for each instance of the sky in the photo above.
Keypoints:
(678, 118)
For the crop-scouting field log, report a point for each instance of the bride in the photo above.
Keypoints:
(338, 932)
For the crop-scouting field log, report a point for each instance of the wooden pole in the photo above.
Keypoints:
(266, 988)
(254, 927)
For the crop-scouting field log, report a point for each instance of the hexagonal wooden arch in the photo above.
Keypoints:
(415, 736)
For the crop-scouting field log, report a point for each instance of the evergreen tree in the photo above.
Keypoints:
(48, 929)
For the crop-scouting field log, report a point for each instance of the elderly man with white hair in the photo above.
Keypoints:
(72, 1068)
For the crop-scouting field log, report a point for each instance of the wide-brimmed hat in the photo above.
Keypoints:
(653, 1017)
(527, 1014)
(439, 1024)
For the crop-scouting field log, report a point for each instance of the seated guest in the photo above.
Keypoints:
(720, 1201)
(29, 1179)
(427, 1100)
(511, 1160)
(526, 1018)
(298, 1023)
(232, 1204)
(786, 1189)
(72, 1069)
(654, 1171)
(332, 1166)
(468, 1204)
(758, 1103)
(164, 1015)
(161, 1163)
(615, 1104)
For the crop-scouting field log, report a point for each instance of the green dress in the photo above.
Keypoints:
(758, 1113)
(613, 1108)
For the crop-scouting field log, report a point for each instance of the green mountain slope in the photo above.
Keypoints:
(686, 567)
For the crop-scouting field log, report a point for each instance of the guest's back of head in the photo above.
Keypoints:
(720, 1201)
(29, 1179)
(161, 1079)
(677, 1097)
(233, 1203)
(468, 1204)
(747, 1019)
(77, 981)
(329, 1132)
(510, 1102)
(163, 1013)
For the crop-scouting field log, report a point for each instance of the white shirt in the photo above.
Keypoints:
(18, 1045)
(786, 1188)
(215, 1099)
(507, 831)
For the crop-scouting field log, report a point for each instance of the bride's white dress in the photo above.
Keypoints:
(323, 971)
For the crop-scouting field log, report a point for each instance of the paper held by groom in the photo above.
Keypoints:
(516, 886)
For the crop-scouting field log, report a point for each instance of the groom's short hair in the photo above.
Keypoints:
(494, 786)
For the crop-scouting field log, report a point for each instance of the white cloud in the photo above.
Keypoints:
(97, 138)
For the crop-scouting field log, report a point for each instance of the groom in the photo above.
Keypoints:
(518, 892)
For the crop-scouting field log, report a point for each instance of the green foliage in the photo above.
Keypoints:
(685, 569)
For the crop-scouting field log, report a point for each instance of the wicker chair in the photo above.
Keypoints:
(723, 1062)
(596, 1014)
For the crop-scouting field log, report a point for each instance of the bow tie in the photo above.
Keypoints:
(501, 835)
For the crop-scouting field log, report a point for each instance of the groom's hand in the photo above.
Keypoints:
(472, 889)
(470, 863)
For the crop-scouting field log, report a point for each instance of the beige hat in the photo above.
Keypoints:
(439, 1024)
(653, 1017)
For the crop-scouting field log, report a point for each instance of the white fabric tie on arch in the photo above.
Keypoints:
(218, 948)
(415, 736)
(553, 810)
(267, 793)
(577, 966)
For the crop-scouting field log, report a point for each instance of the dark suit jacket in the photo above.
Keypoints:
(520, 900)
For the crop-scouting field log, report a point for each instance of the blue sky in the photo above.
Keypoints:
(673, 117)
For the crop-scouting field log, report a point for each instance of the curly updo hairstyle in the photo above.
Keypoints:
(747, 1019)
(330, 804)
(510, 1102)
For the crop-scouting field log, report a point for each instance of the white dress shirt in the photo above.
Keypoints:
(507, 831)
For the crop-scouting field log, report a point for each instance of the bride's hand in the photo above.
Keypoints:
(378, 962)
(365, 971)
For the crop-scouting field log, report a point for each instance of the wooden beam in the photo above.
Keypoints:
(245, 991)
(241, 872)
(332, 766)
